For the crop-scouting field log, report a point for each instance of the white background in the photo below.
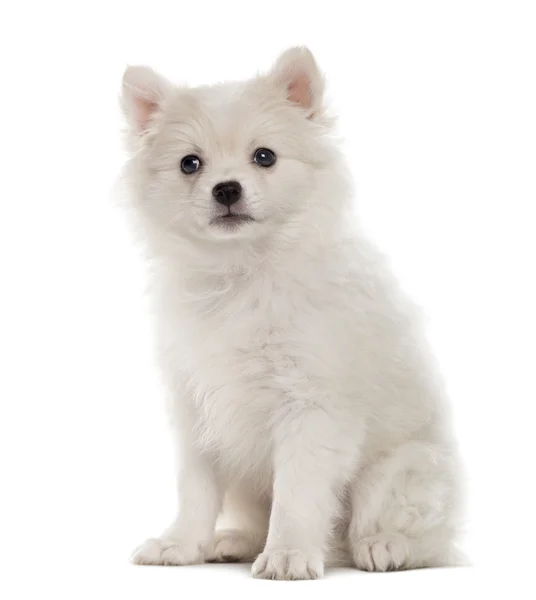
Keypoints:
(438, 106)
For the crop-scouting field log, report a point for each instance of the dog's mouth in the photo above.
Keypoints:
(231, 220)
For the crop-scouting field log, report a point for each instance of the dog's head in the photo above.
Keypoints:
(235, 161)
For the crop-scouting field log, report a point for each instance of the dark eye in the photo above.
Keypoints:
(190, 164)
(264, 157)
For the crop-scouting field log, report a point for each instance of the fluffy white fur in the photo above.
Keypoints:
(306, 406)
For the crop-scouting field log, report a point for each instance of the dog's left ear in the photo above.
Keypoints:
(296, 70)
(142, 95)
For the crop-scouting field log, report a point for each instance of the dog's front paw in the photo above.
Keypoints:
(167, 552)
(287, 564)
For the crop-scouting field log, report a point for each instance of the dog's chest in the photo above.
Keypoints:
(247, 367)
(242, 380)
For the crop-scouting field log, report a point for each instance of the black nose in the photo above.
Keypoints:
(227, 192)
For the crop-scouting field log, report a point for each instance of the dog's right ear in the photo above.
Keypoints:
(297, 73)
(142, 94)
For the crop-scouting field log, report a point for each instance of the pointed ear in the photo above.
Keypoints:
(142, 93)
(296, 70)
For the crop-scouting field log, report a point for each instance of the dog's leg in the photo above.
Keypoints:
(312, 459)
(244, 526)
(404, 511)
(187, 539)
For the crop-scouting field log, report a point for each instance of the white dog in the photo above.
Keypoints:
(306, 406)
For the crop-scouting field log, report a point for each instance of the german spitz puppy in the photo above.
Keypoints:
(307, 409)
